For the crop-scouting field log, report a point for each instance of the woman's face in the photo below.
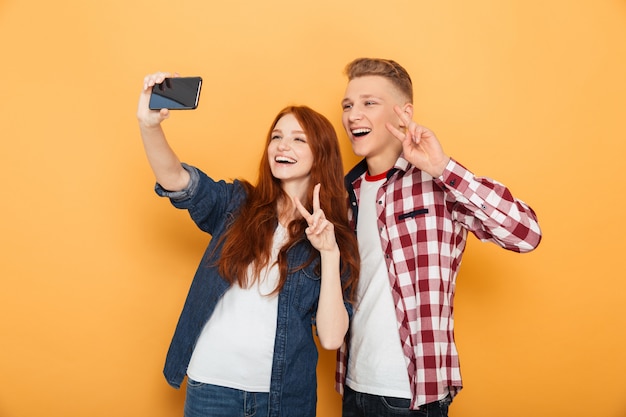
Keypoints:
(290, 156)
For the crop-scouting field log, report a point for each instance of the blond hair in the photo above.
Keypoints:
(386, 68)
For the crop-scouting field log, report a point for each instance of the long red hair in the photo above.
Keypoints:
(248, 241)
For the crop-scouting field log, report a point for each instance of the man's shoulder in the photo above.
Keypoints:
(356, 171)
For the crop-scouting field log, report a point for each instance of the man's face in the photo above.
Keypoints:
(368, 105)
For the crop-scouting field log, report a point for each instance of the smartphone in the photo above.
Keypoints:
(176, 93)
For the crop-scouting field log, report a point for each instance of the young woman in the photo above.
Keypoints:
(282, 258)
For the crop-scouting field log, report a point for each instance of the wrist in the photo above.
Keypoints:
(440, 168)
(149, 126)
(331, 252)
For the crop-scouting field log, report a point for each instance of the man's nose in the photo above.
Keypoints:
(354, 114)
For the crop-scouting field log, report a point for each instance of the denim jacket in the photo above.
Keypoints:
(293, 386)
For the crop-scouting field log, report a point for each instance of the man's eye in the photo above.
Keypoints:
(347, 106)
(369, 103)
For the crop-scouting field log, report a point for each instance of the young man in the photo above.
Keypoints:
(412, 207)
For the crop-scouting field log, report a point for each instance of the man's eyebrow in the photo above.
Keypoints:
(361, 96)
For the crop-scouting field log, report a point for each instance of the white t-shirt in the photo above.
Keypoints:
(376, 364)
(236, 346)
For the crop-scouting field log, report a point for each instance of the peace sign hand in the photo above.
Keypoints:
(420, 146)
(321, 232)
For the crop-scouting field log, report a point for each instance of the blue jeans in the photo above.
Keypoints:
(206, 400)
(357, 404)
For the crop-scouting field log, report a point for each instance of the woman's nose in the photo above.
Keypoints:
(283, 145)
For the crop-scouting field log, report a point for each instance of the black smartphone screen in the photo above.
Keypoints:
(177, 93)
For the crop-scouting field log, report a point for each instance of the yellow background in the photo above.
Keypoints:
(95, 267)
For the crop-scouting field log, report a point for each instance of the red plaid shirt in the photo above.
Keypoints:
(423, 223)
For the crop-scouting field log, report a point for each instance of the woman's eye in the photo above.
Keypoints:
(300, 140)
(275, 137)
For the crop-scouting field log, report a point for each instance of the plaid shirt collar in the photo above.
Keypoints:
(361, 168)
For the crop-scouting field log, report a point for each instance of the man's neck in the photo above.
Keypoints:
(381, 163)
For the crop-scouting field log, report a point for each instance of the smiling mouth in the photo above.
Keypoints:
(357, 133)
(284, 160)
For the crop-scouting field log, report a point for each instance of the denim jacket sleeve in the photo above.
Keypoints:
(192, 187)
(207, 201)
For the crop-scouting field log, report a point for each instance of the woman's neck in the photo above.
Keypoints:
(286, 211)
(295, 188)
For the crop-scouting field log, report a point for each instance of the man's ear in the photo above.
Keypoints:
(408, 109)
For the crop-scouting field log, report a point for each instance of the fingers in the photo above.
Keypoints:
(401, 132)
(316, 197)
(318, 213)
(320, 227)
(147, 117)
(400, 135)
(157, 78)
(404, 116)
(320, 231)
(303, 211)
(316, 220)
(411, 128)
(317, 224)
(412, 131)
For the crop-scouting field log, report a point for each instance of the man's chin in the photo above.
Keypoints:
(358, 150)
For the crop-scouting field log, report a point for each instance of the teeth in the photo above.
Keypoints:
(361, 132)
(284, 159)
